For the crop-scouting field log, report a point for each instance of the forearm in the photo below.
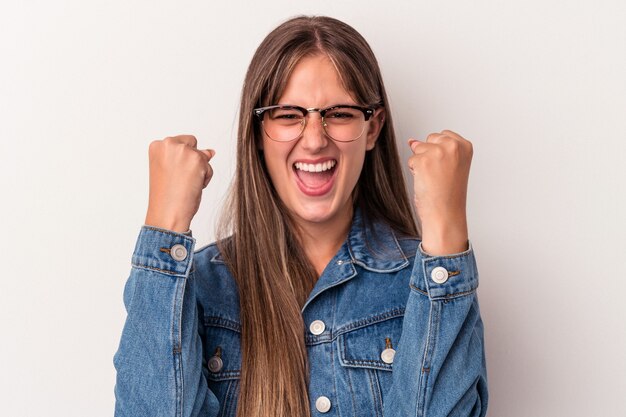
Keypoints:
(439, 367)
(159, 360)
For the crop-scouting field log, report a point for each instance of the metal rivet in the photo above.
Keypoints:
(178, 252)
(215, 363)
(389, 353)
(439, 275)
(322, 404)
(317, 327)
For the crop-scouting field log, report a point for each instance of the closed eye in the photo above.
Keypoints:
(340, 115)
(286, 116)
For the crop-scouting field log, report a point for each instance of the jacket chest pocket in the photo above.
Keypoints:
(222, 362)
(366, 355)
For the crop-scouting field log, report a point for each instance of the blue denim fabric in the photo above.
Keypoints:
(377, 287)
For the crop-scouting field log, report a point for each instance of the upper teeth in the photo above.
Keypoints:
(315, 167)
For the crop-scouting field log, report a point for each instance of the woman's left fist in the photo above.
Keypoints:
(440, 168)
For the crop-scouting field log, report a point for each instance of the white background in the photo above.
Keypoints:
(538, 86)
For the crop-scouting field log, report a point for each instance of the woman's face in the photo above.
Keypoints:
(317, 198)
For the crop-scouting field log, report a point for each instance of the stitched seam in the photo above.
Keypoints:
(352, 394)
(222, 322)
(433, 331)
(369, 379)
(443, 297)
(177, 322)
(165, 271)
(397, 312)
(376, 392)
(225, 403)
(394, 269)
(312, 340)
(165, 231)
(225, 375)
(332, 361)
(379, 392)
(379, 364)
(332, 354)
(229, 398)
(366, 362)
(234, 398)
(455, 295)
(413, 287)
(176, 337)
(178, 372)
(399, 247)
(313, 296)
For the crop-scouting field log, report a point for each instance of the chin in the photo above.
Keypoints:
(319, 212)
(312, 214)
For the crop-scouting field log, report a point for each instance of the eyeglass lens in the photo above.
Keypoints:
(342, 124)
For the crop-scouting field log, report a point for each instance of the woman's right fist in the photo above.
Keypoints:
(178, 174)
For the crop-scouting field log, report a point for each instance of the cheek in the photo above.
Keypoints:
(354, 163)
(275, 155)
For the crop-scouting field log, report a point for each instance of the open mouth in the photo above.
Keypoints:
(315, 179)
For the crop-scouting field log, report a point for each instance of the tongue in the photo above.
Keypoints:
(314, 179)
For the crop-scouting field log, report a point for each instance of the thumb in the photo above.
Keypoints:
(414, 144)
(208, 152)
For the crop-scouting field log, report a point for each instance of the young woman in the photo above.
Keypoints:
(322, 296)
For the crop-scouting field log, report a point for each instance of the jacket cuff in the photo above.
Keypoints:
(445, 276)
(164, 251)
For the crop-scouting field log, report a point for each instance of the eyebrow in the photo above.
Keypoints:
(323, 107)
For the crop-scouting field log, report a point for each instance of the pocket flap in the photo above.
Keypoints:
(222, 355)
(364, 347)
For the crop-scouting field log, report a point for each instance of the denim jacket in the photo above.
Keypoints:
(390, 331)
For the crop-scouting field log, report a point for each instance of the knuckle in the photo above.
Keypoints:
(470, 148)
(198, 158)
(154, 147)
(438, 152)
(433, 137)
(191, 139)
(450, 141)
(169, 142)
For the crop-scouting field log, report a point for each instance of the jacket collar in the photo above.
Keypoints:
(373, 247)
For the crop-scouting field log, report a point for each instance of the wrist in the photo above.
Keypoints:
(445, 236)
(175, 226)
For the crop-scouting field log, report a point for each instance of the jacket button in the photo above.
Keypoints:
(215, 364)
(178, 252)
(317, 327)
(387, 355)
(322, 404)
(439, 275)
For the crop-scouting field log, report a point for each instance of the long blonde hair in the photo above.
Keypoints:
(262, 250)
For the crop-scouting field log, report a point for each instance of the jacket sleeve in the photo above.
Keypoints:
(159, 359)
(439, 366)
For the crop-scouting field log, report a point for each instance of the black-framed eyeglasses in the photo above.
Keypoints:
(341, 122)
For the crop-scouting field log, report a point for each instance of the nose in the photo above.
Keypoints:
(313, 137)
